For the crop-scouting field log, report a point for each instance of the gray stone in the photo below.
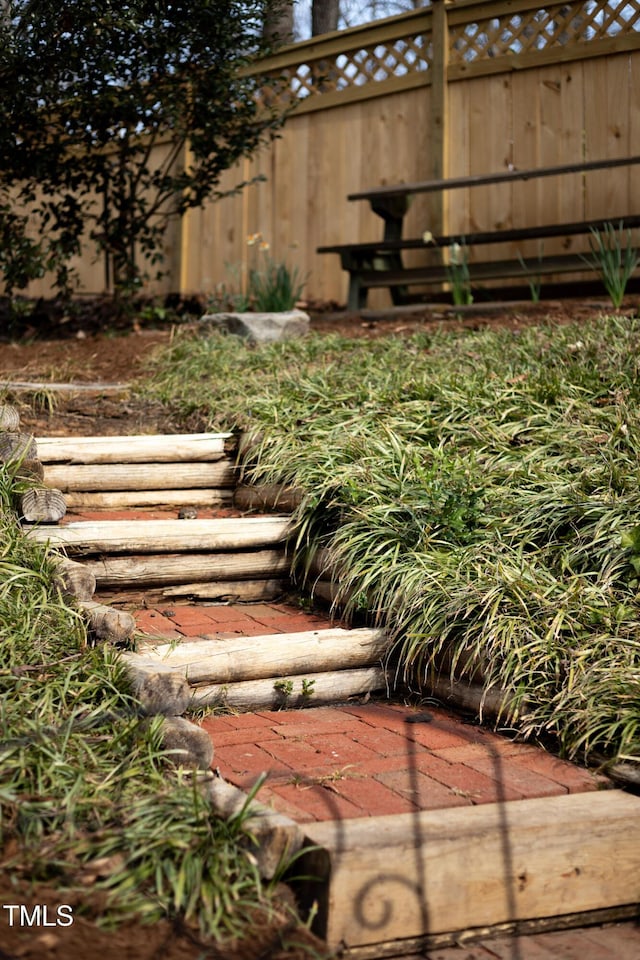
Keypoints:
(261, 327)
(190, 746)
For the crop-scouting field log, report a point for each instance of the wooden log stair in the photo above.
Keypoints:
(241, 557)
(379, 886)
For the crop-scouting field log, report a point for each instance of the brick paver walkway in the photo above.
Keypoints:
(378, 758)
(365, 759)
(358, 759)
(171, 620)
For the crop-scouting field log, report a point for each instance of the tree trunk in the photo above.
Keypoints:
(278, 22)
(324, 16)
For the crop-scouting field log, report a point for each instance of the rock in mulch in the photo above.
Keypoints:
(261, 327)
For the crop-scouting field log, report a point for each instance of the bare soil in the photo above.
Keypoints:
(45, 933)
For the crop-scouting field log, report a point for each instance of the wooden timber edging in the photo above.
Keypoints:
(37, 500)
(170, 471)
(382, 880)
(254, 573)
(271, 838)
(267, 672)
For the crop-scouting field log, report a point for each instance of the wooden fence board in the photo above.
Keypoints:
(525, 102)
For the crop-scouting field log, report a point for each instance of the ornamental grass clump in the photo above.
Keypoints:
(614, 258)
(86, 800)
(478, 493)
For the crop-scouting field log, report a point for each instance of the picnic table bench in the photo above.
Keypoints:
(379, 264)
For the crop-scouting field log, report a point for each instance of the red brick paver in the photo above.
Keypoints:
(359, 759)
(614, 941)
(383, 758)
(226, 620)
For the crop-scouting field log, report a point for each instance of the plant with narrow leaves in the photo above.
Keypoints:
(615, 259)
(534, 279)
(458, 274)
(477, 492)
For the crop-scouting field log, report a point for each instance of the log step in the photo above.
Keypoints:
(265, 657)
(121, 499)
(164, 536)
(292, 692)
(160, 570)
(414, 876)
(167, 448)
(106, 477)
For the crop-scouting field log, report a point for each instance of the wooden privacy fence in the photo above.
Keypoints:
(455, 89)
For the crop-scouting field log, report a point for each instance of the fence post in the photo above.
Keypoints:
(439, 112)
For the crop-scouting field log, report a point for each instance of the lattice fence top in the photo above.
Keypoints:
(500, 34)
(375, 63)
(559, 24)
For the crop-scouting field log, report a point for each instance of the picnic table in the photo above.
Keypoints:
(379, 264)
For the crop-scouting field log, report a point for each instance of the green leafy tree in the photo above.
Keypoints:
(117, 116)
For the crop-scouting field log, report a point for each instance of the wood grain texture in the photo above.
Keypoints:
(9, 418)
(115, 499)
(387, 878)
(265, 657)
(16, 447)
(375, 131)
(274, 837)
(139, 476)
(165, 448)
(188, 568)
(164, 536)
(291, 692)
(231, 591)
(42, 505)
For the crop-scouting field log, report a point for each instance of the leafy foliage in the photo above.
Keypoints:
(84, 789)
(478, 493)
(115, 118)
(615, 259)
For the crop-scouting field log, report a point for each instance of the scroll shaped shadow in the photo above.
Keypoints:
(373, 903)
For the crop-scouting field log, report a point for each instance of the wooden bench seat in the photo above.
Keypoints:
(484, 237)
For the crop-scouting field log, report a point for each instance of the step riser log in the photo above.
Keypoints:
(160, 571)
(273, 655)
(86, 478)
(390, 878)
(231, 591)
(121, 499)
(292, 692)
(165, 536)
(140, 449)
